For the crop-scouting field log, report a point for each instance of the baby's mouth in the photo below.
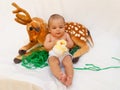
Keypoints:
(57, 33)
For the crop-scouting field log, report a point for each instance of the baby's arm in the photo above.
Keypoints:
(70, 43)
(48, 44)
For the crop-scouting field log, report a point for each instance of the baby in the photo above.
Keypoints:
(56, 27)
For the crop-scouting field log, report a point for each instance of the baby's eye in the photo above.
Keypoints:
(54, 28)
(60, 27)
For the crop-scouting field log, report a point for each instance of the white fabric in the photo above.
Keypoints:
(12, 84)
(101, 17)
(52, 53)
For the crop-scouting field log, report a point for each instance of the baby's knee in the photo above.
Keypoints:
(67, 60)
(53, 60)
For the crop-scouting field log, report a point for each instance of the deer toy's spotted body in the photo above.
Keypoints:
(77, 30)
(37, 30)
(80, 36)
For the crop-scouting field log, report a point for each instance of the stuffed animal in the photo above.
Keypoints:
(60, 48)
(37, 30)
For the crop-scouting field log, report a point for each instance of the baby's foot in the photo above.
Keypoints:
(63, 78)
(68, 80)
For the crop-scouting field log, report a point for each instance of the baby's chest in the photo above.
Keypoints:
(60, 38)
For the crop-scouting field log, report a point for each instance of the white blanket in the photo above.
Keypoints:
(100, 55)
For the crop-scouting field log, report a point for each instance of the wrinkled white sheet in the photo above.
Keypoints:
(101, 55)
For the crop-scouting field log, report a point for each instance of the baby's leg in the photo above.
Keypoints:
(56, 70)
(68, 65)
(69, 80)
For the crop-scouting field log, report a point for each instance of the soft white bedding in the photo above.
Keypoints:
(101, 55)
(101, 18)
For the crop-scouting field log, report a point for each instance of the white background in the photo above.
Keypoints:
(101, 17)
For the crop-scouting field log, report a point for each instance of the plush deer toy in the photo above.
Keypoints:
(37, 30)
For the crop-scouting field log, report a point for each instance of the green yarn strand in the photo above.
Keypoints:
(118, 59)
(74, 49)
(38, 59)
(93, 67)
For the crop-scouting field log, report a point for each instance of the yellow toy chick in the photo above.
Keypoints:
(60, 48)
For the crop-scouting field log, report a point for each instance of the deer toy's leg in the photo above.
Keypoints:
(18, 59)
(83, 49)
(24, 51)
(25, 48)
(80, 52)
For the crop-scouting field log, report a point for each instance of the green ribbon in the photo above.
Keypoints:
(93, 67)
(38, 59)
(118, 59)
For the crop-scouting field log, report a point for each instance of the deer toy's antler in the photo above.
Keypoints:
(23, 17)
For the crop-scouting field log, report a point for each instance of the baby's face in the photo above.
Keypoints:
(57, 27)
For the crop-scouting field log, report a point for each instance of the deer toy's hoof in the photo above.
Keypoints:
(17, 61)
(75, 60)
(22, 52)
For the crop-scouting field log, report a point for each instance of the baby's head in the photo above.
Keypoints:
(56, 25)
(55, 17)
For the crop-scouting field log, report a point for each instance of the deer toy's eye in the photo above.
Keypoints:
(37, 29)
(31, 28)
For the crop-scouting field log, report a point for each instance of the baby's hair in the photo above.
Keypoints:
(55, 16)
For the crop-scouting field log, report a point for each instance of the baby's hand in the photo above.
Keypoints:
(61, 42)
